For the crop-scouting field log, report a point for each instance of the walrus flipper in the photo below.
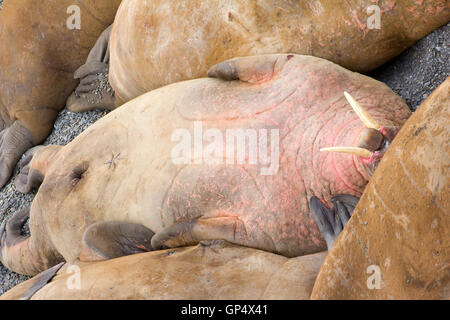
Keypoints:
(33, 167)
(191, 232)
(93, 92)
(28, 255)
(254, 69)
(41, 280)
(113, 239)
(14, 141)
(332, 221)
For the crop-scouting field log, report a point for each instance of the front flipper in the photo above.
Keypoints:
(94, 91)
(253, 69)
(191, 232)
(33, 167)
(113, 239)
(332, 221)
(23, 254)
(14, 141)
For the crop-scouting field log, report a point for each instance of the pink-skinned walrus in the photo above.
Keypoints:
(397, 244)
(41, 47)
(158, 42)
(234, 157)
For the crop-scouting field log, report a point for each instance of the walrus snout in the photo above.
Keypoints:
(370, 136)
(372, 140)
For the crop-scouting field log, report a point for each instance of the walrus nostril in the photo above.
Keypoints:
(78, 173)
(371, 139)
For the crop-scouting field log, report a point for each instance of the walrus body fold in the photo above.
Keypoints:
(121, 181)
(38, 57)
(210, 270)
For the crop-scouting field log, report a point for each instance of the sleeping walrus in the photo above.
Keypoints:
(159, 42)
(38, 57)
(210, 270)
(234, 158)
(396, 246)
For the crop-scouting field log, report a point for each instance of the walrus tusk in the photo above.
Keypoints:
(368, 121)
(351, 150)
(365, 117)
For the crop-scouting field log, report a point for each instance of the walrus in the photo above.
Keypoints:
(234, 157)
(38, 58)
(159, 42)
(396, 245)
(211, 270)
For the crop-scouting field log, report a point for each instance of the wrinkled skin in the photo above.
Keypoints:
(38, 58)
(150, 50)
(121, 168)
(211, 270)
(402, 222)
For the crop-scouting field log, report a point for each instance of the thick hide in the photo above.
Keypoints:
(143, 164)
(211, 270)
(158, 42)
(396, 245)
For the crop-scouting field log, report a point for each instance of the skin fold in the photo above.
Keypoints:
(39, 56)
(149, 50)
(210, 270)
(122, 168)
(401, 224)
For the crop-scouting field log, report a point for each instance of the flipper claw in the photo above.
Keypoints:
(331, 222)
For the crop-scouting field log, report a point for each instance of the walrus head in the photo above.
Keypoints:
(373, 140)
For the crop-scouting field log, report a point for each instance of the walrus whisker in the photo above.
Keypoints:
(365, 117)
(350, 150)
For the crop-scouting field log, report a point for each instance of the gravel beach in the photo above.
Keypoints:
(413, 75)
(419, 70)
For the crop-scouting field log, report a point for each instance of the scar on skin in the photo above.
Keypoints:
(112, 162)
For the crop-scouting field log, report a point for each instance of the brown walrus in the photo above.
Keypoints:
(38, 58)
(211, 270)
(255, 163)
(396, 246)
(159, 42)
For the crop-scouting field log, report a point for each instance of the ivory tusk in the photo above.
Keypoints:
(365, 117)
(350, 150)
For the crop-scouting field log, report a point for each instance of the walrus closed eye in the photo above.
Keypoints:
(78, 173)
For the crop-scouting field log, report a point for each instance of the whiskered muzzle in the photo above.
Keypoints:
(371, 139)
